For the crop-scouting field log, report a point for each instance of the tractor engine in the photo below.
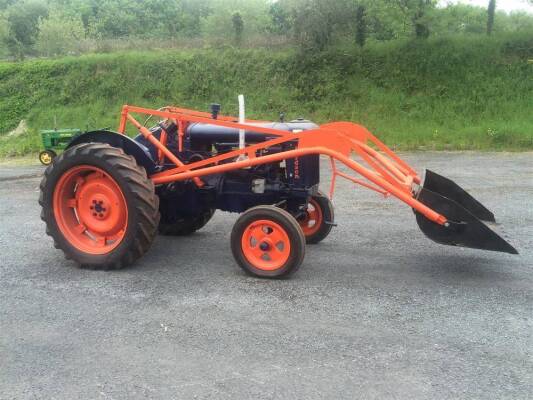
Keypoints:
(289, 183)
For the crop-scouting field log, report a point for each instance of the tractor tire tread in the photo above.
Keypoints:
(142, 194)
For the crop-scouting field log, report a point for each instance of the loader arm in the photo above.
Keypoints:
(445, 212)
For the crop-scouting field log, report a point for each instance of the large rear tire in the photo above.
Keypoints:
(99, 206)
(267, 242)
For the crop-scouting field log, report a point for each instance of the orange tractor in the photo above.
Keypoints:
(107, 196)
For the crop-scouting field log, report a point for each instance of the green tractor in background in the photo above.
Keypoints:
(55, 140)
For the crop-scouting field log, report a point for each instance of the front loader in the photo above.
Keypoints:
(107, 196)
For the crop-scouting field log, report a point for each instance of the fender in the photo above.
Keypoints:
(130, 146)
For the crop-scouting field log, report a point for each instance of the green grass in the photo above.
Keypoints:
(449, 93)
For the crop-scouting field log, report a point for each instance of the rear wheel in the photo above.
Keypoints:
(318, 220)
(268, 242)
(99, 206)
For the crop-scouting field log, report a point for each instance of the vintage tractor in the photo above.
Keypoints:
(54, 141)
(105, 198)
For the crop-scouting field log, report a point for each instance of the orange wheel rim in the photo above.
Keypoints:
(90, 210)
(313, 219)
(266, 245)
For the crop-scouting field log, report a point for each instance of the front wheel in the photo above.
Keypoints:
(267, 242)
(47, 156)
(99, 206)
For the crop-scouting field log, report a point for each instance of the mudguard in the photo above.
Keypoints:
(130, 146)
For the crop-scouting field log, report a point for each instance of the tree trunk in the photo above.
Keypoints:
(490, 20)
(421, 28)
(360, 29)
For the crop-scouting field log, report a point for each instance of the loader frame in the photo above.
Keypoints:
(383, 171)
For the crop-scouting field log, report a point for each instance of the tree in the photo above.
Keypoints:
(219, 24)
(4, 34)
(417, 11)
(238, 26)
(281, 23)
(316, 21)
(360, 26)
(22, 19)
(59, 34)
(490, 18)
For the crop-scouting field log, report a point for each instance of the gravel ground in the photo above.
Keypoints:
(376, 311)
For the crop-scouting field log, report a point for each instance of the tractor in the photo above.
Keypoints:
(107, 196)
(55, 140)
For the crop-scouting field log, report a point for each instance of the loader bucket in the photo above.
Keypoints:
(464, 213)
(448, 188)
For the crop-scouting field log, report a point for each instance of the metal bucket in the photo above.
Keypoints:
(465, 216)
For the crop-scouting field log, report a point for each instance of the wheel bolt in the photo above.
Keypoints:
(94, 215)
(264, 246)
(100, 215)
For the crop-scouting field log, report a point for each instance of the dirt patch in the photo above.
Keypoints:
(21, 129)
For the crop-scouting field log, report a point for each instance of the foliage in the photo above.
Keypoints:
(440, 93)
(281, 19)
(4, 35)
(360, 22)
(417, 14)
(310, 24)
(316, 21)
(23, 18)
(417, 73)
(238, 26)
(490, 20)
(59, 34)
(220, 22)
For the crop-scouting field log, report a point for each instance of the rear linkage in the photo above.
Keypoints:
(266, 240)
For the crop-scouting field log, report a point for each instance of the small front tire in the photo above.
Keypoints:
(47, 156)
(267, 242)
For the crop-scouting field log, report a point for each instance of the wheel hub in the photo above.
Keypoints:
(266, 245)
(96, 198)
(99, 209)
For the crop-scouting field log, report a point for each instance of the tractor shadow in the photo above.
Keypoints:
(448, 268)
(208, 252)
